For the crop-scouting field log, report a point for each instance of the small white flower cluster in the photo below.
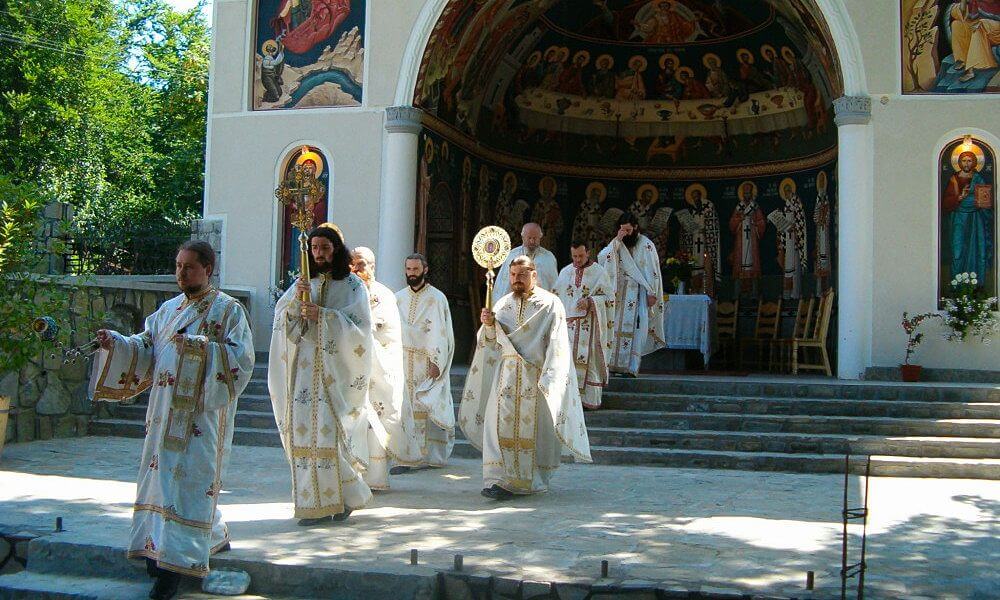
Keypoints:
(965, 278)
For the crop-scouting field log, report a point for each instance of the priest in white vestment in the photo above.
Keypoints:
(545, 262)
(428, 350)
(521, 404)
(588, 299)
(633, 267)
(318, 373)
(390, 431)
(195, 357)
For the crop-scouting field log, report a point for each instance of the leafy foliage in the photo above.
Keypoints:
(103, 106)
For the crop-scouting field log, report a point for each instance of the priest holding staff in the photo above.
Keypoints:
(521, 405)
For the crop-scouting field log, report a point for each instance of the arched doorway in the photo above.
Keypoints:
(665, 108)
(310, 161)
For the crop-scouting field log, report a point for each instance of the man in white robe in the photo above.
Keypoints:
(588, 299)
(390, 430)
(545, 262)
(428, 350)
(633, 267)
(195, 357)
(521, 404)
(318, 373)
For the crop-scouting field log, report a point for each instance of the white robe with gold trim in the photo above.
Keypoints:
(638, 328)
(545, 265)
(521, 403)
(428, 338)
(193, 387)
(393, 437)
(589, 329)
(318, 377)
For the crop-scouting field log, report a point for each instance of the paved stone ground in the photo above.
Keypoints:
(697, 529)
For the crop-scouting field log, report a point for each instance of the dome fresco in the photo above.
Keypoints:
(663, 85)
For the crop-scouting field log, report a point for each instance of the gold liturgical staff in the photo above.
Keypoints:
(490, 248)
(301, 190)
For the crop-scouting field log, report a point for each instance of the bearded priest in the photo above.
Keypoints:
(318, 373)
(521, 404)
(428, 349)
(389, 427)
(633, 267)
(195, 356)
(588, 299)
(545, 262)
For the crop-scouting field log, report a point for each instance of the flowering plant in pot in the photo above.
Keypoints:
(910, 325)
(968, 312)
(677, 271)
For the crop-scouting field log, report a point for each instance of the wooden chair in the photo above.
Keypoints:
(765, 331)
(782, 347)
(726, 324)
(820, 329)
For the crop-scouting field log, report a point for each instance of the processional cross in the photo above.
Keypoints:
(301, 191)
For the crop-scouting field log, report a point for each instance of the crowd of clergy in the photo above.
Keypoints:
(360, 381)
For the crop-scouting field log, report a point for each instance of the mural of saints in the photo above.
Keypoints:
(503, 215)
(950, 46)
(424, 193)
(790, 222)
(968, 212)
(311, 53)
(700, 237)
(747, 225)
(309, 161)
(646, 198)
(548, 214)
(823, 219)
(666, 22)
(586, 225)
(483, 197)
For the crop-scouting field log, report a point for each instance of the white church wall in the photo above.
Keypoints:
(246, 148)
(909, 133)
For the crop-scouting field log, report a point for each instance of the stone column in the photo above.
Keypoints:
(855, 240)
(398, 209)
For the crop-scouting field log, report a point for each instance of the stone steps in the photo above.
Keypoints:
(938, 430)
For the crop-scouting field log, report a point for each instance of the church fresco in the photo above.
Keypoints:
(681, 84)
(305, 161)
(308, 53)
(967, 225)
(771, 235)
(950, 46)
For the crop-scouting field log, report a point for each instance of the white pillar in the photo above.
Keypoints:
(855, 240)
(398, 206)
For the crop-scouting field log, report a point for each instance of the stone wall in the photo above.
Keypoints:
(210, 230)
(49, 398)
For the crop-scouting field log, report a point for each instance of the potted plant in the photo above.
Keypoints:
(677, 271)
(910, 325)
(968, 312)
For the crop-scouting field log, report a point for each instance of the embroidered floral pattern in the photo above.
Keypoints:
(155, 463)
(165, 379)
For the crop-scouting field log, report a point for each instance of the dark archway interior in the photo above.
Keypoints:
(569, 112)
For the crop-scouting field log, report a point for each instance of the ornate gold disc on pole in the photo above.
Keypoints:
(301, 190)
(490, 248)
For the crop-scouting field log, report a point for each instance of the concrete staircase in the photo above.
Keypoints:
(761, 424)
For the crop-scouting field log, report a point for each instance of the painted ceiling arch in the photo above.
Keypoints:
(673, 84)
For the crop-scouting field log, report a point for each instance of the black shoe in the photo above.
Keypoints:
(497, 493)
(400, 470)
(343, 516)
(311, 522)
(151, 569)
(225, 548)
(165, 586)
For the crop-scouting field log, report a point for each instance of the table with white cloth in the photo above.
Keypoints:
(689, 323)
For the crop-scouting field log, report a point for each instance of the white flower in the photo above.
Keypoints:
(973, 274)
(975, 282)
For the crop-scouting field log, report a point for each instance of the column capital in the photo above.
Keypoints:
(402, 119)
(852, 110)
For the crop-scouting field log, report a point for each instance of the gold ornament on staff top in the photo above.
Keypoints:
(490, 248)
(302, 191)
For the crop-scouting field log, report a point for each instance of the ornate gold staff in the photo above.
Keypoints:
(490, 248)
(301, 190)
